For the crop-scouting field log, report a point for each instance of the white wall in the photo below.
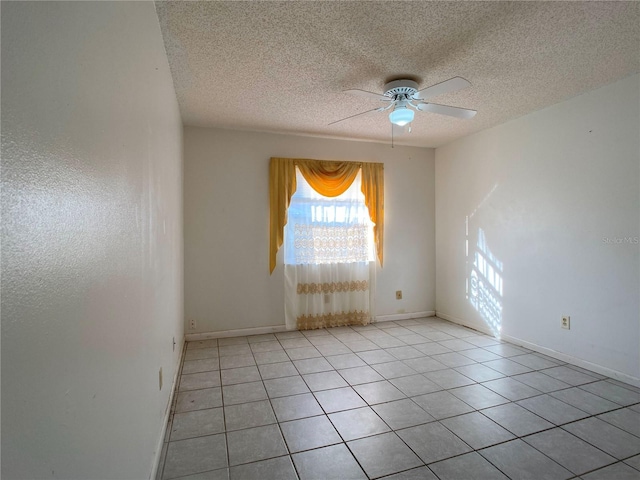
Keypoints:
(91, 239)
(227, 281)
(548, 189)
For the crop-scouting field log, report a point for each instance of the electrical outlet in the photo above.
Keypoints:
(160, 378)
(192, 324)
(566, 322)
(398, 294)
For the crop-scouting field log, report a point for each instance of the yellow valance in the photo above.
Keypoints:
(330, 179)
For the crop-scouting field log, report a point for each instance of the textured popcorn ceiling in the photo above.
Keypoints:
(281, 67)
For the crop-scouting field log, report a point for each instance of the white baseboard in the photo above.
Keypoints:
(623, 377)
(158, 455)
(191, 337)
(404, 316)
(479, 326)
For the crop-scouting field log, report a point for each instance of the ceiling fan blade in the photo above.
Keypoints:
(451, 85)
(364, 93)
(446, 110)
(379, 109)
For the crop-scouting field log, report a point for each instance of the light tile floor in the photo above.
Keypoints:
(413, 399)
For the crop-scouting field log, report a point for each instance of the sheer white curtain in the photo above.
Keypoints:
(329, 259)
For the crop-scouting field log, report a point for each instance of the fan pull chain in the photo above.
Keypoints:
(392, 135)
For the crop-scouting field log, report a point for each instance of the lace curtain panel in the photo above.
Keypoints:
(329, 258)
(328, 295)
(330, 244)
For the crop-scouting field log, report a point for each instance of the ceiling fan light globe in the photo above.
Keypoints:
(401, 116)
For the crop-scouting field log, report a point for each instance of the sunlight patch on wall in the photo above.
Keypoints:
(484, 283)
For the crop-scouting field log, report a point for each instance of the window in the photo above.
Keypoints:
(330, 178)
(325, 230)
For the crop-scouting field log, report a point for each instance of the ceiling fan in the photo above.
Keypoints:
(404, 97)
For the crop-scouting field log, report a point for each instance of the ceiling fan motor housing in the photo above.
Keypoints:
(400, 89)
